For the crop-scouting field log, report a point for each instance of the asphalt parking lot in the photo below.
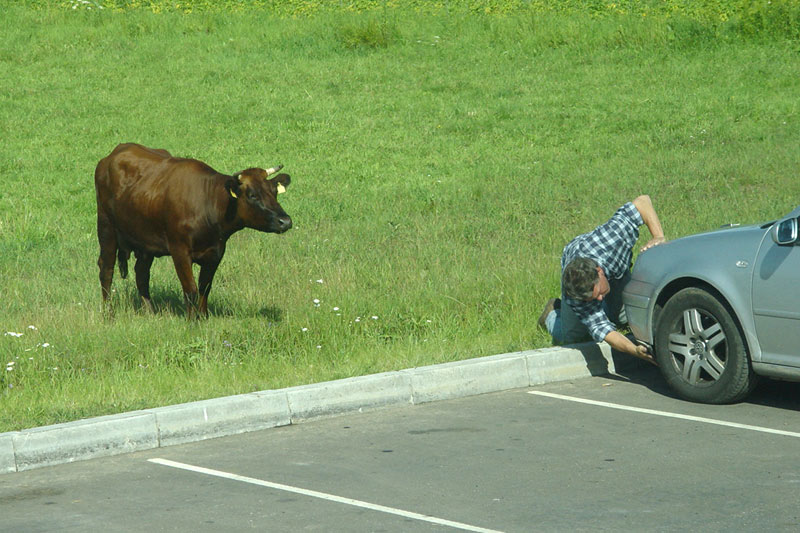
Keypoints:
(600, 453)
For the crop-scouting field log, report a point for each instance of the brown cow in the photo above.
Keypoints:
(153, 204)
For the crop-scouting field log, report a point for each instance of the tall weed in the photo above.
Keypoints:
(366, 33)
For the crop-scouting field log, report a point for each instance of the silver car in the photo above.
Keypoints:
(719, 309)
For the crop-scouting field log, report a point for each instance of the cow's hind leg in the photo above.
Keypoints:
(183, 267)
(207, 271)
(142, 268)
(107, 236)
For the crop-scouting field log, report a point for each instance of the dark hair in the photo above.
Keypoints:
(579, 278)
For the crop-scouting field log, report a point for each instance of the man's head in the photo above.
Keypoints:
(583, 279)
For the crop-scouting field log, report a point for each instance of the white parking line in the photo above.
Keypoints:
(323, 496)
(667, 414)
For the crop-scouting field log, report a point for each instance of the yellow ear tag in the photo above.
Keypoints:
(281, 188)
(233, 193)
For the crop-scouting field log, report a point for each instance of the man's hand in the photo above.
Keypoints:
(621, 343)
(642, 353)
(653, 242)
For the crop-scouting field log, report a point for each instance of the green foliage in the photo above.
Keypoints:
(778, 18)
(775, 18)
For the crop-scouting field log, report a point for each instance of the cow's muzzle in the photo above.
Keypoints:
(283, 223)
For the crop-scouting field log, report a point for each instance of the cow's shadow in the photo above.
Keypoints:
(269, 313)
(168, 301)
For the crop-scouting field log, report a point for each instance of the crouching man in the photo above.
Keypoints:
(595, 267)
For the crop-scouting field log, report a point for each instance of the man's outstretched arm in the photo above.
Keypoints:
(645, 207)
(621, 343)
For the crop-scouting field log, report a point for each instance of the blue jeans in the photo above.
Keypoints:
(566, 328)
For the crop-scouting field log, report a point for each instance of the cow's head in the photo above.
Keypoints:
(257, 199)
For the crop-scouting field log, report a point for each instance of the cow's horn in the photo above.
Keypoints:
(273, 170)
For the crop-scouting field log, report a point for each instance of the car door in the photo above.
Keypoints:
(776, 301)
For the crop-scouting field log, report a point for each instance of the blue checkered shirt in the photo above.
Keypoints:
(611, 247)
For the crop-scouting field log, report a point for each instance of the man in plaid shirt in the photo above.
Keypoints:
(595, 267)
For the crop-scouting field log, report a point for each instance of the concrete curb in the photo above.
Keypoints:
(190, 422)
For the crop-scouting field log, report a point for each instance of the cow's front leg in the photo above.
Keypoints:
(207, 271)
(183, 266)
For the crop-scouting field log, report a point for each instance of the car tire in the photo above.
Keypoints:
(700, 349)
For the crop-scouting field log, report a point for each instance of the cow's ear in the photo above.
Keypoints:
(233, 185)
(281, 182)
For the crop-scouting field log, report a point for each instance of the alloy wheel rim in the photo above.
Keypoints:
(698, 347)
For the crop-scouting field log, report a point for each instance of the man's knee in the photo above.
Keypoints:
(576, 338)
(567, 329)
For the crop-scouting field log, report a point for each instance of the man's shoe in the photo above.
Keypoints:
(551, 305)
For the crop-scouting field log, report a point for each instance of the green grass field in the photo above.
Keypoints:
(440, 162)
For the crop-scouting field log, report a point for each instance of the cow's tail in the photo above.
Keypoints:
(122, 262)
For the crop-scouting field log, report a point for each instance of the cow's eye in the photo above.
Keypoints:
(252, 196)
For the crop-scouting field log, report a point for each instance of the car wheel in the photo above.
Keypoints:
(700, 349)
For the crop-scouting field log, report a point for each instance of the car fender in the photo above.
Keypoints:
(721, 262)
